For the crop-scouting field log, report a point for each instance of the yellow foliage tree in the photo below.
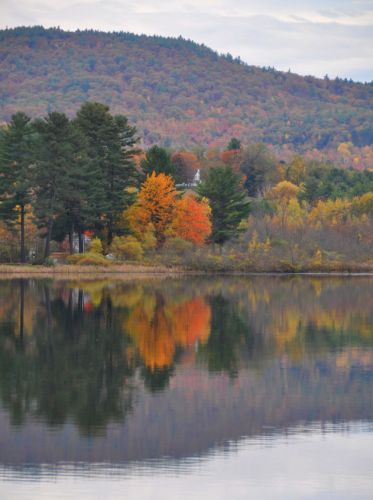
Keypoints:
(330, 212)
(156, 204)
(363, 205)
(296, 171)
(284, 196)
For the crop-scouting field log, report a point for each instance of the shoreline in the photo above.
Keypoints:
(139, 270)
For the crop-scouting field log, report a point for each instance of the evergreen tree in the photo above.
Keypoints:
(229, 204)
(234, 144)
(58, 159)
(111, 143)
(158, 160)
(15, 181)
(79, 199)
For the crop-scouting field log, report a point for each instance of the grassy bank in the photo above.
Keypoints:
(18, 270)
(131, 269)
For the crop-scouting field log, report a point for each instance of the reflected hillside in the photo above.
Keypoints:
(177, 366)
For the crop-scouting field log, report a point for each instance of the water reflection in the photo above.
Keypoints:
(104, 371)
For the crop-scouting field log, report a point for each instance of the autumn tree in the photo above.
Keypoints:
(283, 195)
(290, 217)
(331, 212)
(228, 202)
(8, 243)
(156, 203)
(232, 158)
(191, 220)
(363, 205)
(296, 170)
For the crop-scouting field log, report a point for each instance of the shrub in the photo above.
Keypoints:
(149, 241)
(127, 247)
(177, 246)
(88, 259)
(96, 246)
(177, 251)
(74, 259)
(49, 262)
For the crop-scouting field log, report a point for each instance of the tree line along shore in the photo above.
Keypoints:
(77, 193)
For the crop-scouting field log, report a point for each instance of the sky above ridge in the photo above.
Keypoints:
(317, 37)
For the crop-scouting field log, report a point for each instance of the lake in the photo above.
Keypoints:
(195, 387)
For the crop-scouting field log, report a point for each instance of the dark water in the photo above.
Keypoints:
(256, 387)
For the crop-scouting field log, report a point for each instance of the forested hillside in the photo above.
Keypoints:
(179, 93)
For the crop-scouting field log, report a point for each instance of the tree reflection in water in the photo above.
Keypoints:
(82, 351)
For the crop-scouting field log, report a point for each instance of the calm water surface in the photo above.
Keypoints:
(213, 388)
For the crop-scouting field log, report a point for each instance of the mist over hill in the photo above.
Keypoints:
(179, 93)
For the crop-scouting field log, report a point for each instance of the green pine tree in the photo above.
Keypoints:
(234, 144)
(15, 179)
(229, 204)
(111, 143)
(79, 198)
(58, 159)
(158, 160)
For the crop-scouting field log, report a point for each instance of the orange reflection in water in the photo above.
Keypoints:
(158, 330)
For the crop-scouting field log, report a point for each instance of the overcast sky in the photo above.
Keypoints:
(317, 37)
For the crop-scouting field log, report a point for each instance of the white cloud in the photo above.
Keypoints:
(310, 37)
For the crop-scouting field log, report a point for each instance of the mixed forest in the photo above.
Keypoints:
(82, 189)
(181, 94)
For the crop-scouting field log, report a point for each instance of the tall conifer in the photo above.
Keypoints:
(15, 178)
(111, 143)
(229, 204)
(58, 170)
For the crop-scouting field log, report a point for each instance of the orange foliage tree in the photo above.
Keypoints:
(192, 220)
(232, 158)
(156, 204)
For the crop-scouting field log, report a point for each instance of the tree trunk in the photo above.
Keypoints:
(23, 254)
(47, 250)
(110, 233)
(71, 240)
(81, 241)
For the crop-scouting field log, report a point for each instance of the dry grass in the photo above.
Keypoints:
(131, 271)
(70, 271)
